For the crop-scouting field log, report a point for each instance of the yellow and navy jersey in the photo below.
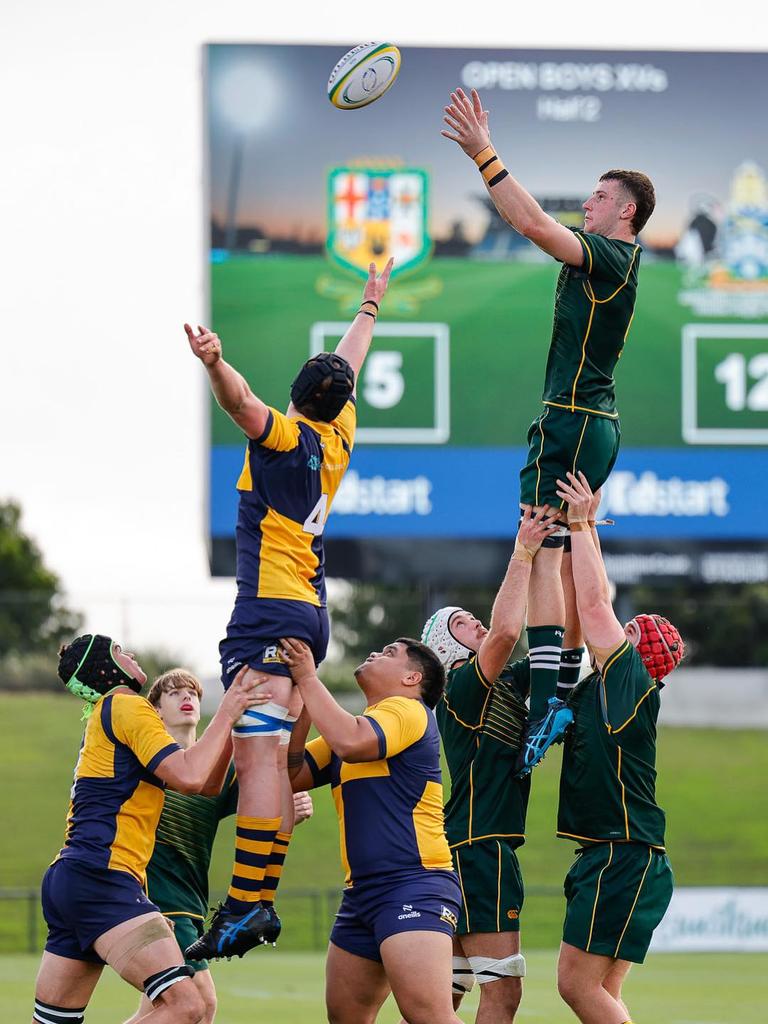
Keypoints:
(116, 800)
(290, 477)
(594, 306)
(390, 810)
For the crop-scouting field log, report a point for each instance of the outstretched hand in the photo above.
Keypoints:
(298, 657)
(536, 527)
(579, 496)
(376, 286)
(468, 122)
(205, 345)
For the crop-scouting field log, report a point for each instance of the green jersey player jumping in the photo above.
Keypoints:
(578, 428)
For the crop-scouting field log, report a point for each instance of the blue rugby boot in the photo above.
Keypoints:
(233, 934)
(542, 733)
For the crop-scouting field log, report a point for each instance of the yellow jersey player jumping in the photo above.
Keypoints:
(578, 428)
(294, 464)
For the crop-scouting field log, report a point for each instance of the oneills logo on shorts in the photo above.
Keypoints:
(449, 916)
(409, 912)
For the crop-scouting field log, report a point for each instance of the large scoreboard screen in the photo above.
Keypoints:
(303, 195)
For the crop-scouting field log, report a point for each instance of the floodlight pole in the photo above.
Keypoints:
(233, 190)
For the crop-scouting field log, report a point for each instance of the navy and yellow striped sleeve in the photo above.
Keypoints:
(606, 259)
(318, 756)
(280, 434)
(137, 724)
(628, 688)
(346, 423)
(398, 722)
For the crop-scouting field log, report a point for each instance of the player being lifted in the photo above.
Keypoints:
(579, 426)
(293, 466)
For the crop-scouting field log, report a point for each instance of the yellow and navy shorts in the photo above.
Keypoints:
(560, 442)
(491, 887)
(256, 628)
(423, 901)
(616, 895)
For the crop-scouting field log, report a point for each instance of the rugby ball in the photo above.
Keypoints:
(363, 74)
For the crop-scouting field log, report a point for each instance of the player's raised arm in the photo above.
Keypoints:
(602, 630)
(468, 126)
(230, 389)
(357, 340)
(508, 613)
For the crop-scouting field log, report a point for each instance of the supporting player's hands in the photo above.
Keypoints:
(244, 693)
(205, 345)
(535, 527)
(376, 286)
(579, 496)
(468, 122)
(303, 808)
(298, 657)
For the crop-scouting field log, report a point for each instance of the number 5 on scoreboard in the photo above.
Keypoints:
(315, 521)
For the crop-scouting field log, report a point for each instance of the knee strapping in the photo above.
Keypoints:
(266, 720)
(124, 948)
(487, 969)
(156, 984)
(463, 976)
(47, 1013)
(285, 734)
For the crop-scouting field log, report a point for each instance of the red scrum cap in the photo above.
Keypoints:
(660, 646)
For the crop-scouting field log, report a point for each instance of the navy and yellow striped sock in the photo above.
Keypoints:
(275, 867)
(570, 668)
(254, 839)
(544, 646)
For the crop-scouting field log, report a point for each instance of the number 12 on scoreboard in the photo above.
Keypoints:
(404, 388)
(725, 384)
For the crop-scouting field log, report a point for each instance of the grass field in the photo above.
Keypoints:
(716, 809)
(287, 988)
(500, 319)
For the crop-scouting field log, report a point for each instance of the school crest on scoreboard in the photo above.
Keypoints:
(377, 213)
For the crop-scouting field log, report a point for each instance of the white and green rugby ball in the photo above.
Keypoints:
(363, 74)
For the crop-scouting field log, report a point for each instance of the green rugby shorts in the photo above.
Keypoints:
(560, 442)
(187, 930)
(616, 895)
(491, 887)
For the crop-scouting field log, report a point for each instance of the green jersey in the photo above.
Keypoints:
(480, 726)
(608, 777)
(594, 304)
(177, 874)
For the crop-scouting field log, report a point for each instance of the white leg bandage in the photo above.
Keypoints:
(285, 734)
(463, 976)
(265, 720)
(487, 969)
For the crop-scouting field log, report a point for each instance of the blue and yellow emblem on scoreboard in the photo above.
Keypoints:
(375, 213)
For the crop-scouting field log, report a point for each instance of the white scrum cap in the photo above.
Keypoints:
(438, 637)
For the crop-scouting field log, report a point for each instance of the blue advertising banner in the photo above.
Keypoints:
(422, 491)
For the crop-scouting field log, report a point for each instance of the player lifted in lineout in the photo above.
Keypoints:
(579, 426)
(294, 464)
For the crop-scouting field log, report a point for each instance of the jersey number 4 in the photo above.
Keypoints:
(315, 521)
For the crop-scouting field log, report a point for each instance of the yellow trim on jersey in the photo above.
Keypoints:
(479, 671)
(338, 799)
(182, 913)
(647, 692)
(495, 835)
(583, 347)
(459, 720)
(287, 562)
(634, 904)
(245, 480)
(597, 895)
(582, 408)
(601, 302)
(623, 794)
(583, 241)
(592, 839)
(471, 797)
(541, 452)
(363, 770)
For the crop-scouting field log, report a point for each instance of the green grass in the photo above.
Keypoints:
(288, 988)
(500, 318)
(716, 809)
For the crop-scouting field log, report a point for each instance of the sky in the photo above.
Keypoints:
(102, 409)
